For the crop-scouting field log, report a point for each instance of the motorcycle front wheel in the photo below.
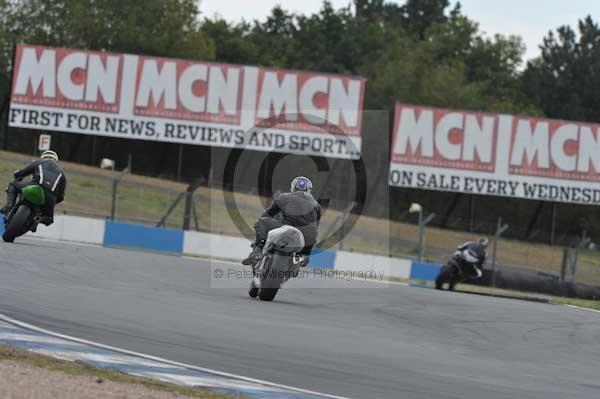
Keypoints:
(18, 225)
(447, 275)
(253, 291)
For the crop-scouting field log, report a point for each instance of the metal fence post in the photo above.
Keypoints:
(187, 214)
(565, 262)
(113, 208)
(421, 233)
(163, 220)
(195, 215)
(499, 230)
(575, 262)
(189, 202)
(422, 224)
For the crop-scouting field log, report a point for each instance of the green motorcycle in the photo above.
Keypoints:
(26, 214)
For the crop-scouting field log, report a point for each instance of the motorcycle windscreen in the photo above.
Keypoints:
(34, 194)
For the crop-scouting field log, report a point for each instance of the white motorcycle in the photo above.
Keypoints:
(280, 262)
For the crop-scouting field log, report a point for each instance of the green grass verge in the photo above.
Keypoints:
(80, 369)
(576, 302)
(502, 293)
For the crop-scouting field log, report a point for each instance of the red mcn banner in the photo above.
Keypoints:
(495, 154)
(183, 101)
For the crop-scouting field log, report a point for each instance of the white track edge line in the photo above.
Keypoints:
(583, 308)
(27, 326)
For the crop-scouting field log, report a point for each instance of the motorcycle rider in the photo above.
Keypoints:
(298, 208)
(476, 249)
(49, 175)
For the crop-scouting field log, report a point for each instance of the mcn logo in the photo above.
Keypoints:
(555, 148)
(64, 78)
(444, 138)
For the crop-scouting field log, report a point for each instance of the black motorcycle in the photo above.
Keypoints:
(458, 269)
(280, 262)
(26, 214)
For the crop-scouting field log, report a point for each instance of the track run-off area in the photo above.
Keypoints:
(356, 339)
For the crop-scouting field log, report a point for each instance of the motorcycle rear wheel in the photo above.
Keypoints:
(271, 280)
(267, 294)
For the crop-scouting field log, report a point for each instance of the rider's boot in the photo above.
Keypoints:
(11, 196)
(255, 255)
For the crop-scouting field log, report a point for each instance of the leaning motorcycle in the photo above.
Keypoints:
(454, 271)
(26, 213)
(280, 261)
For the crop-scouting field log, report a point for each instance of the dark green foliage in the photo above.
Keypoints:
(564, 81)
(419, 52)
(153, 27)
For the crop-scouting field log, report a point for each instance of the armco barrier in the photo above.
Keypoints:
(83, 229)
(138, 236)
(119, 234)
(322, 259)
(74, 228)
(71, 228)
(392, 267)
(205, 244)
(424, 271)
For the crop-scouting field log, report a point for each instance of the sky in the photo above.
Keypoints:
(530, 19)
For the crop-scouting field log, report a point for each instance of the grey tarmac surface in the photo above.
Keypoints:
(369, 341)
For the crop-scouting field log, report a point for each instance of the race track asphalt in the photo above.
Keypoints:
(360, 340)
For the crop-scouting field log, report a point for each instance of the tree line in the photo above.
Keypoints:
(421, 52)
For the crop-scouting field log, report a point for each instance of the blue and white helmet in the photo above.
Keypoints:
(301, 183)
